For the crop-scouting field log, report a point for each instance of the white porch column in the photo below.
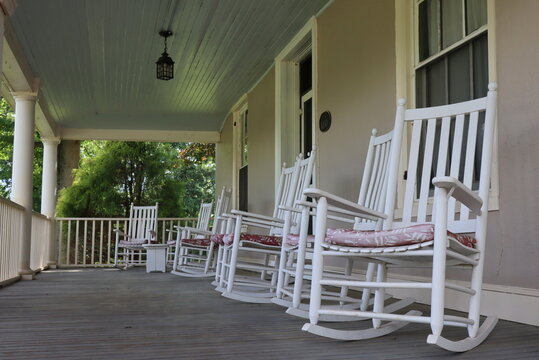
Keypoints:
(23, 155)
(48, 191)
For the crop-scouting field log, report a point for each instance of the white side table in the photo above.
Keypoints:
(156, 257)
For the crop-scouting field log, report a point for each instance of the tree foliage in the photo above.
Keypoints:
(197, 173)
(7, 130)
(115, 174)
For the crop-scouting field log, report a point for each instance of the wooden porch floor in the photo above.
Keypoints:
(112, 314)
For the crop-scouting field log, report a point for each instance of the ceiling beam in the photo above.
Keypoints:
(140, 135)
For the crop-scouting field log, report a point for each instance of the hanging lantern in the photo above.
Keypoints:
(165, 65)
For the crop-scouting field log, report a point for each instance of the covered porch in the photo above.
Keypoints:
(107, 313)
(238, 62)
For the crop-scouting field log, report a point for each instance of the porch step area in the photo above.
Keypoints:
(115, 314)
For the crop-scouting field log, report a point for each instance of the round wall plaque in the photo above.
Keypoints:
(325, 121)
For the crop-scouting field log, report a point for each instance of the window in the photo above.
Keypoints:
(452, 61)
(243, 139)
(452, 54)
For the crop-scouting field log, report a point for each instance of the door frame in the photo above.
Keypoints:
(287, 107)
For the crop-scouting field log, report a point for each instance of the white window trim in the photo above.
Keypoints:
(406, 42)
(240, 107)
(286, 83)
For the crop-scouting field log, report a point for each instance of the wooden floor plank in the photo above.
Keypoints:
(113, 314)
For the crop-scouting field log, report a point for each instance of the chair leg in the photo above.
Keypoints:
(209, 253)
(280, 272)
(347, 272)
(318, 261)
(234, 256)
(379, 294)
(366, 294)
(300, 259)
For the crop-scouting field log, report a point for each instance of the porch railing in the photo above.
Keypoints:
(40, 241)
(11, 216)
(90, 242)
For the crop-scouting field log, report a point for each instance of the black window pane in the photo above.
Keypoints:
(451, 22)
(476, 14)
(436, 84)
(459, 75)
(429, 14)
(420, 88)
(480, 67)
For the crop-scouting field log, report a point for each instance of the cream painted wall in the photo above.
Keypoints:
(356, 82)
(513, 251)
(223, 157)
(261, 144)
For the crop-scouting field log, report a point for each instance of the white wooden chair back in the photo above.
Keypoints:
(305, 177)
(222, 206)
(204, 214)
(142, 220)
(287, 183)
(372, 193)
(451, 140)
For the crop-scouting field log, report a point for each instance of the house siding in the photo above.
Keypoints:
(356, 83)
(261, 144)
(513, 246)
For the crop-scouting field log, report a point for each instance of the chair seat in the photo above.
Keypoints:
(227, 239)
(293, 239)
(135, 242)
(203, 242)
(388, 238)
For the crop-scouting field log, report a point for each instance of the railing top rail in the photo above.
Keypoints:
(39, 215)
(11, 203)
(120, 219)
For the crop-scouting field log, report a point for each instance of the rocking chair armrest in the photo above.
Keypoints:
(341, 205)
(460, 192)
(256, 216)
(119, 232)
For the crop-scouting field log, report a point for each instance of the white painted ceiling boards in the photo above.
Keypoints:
(96, 58)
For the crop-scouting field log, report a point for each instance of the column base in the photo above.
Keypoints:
(27, 275)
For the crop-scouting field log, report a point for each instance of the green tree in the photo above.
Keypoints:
(115, 174)
(198, 174)
(7, 126)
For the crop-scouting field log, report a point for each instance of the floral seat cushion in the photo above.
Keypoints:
(387, 238)
(227, 239)
(202, 242)
(135, 242)
(293, 239)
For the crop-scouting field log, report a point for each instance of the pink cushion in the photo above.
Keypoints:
(205, 242)
(386, 238)
(227, 239)
(293, 239)
(217, 238)
(135, 242)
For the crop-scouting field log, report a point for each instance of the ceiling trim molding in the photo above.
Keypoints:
(140, 135)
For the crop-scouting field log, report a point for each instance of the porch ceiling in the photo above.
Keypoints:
(96, 59)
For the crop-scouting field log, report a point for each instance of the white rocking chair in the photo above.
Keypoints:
(141, 229)
(260, 289)
(184, 232)
(194, 249)
(294, 251)
(448, 147)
